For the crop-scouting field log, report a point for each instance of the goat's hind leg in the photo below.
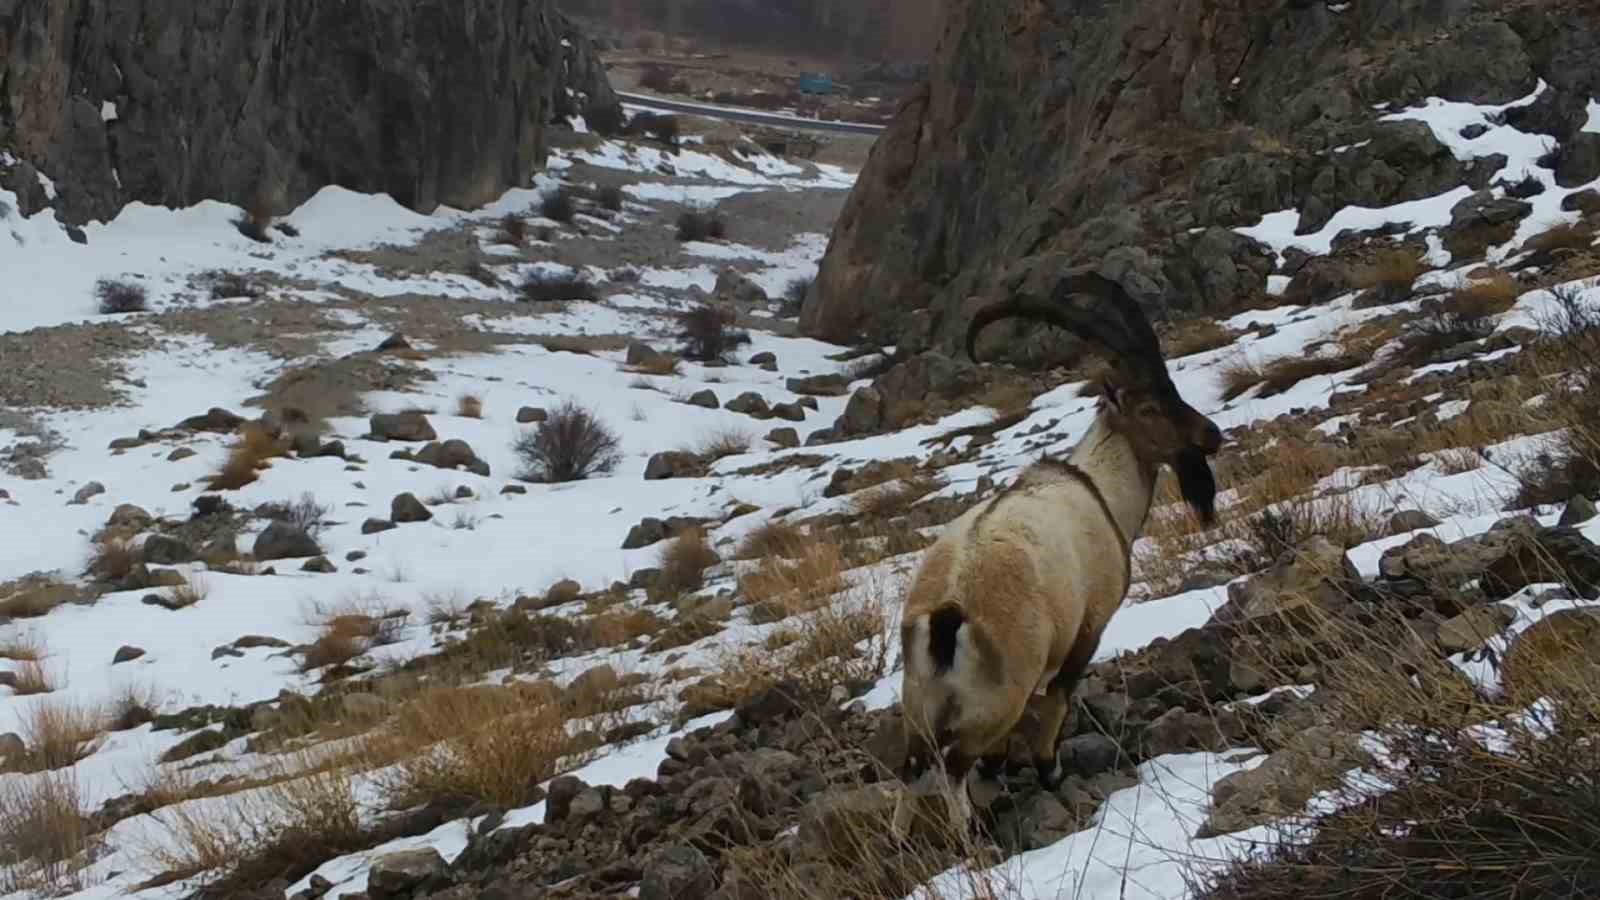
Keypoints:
(1057, 705)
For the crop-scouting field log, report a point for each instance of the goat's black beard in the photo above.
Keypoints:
(1197, 483)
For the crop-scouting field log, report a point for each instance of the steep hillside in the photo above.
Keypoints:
(262, 104)
(1142, 136)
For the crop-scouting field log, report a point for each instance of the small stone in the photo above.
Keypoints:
(402, 426)
(92, 489)
(671, 464)
(161, 549)
(1410, 520)
(1473, 628)
(12, 747)
(126, 653)
(407, 508)
(639, 353)
(355, 555)
(318, 564)
(284, 541)
(528, 414)
(513, 489)
(784, 437)
(564, 591)
(373, 526)
(1091, 754)
(790, 412)
(826, 385)
(706, 398)
(750, 403)
(396, 874)
(396, 341)
(463, 493)
(677, 872)
(1579, 509)
(765, 357)
(558, 802)
(203, 742)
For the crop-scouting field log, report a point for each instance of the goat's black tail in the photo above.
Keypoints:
(943, 624)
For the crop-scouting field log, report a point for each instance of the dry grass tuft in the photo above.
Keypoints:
(623, 625)
(22, 648)
(58, 734)
(1279, 375)
(193, 590)
(30, 599)
(1239, 375)
(464, 745)
(1485, 297)
(780, 587)
(1487, 797)
(660, 365)
(723, 442)
(773, 538)
(349, 628)
(43, 834)
(30, 678)
(1569, 236)
(469, 406)
(1391, 274)
(1007, 397)
(250, 453)
(303, 815)
(902, 486)
(1198, 335)
(683, 561)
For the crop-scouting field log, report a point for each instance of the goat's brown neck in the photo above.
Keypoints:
(1124, 479)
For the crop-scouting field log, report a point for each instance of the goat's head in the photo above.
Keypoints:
(1140, 397)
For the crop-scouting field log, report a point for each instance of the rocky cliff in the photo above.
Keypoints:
(1136, 136)
(175, 101)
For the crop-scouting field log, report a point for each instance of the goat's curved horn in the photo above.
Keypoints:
(1112, 319)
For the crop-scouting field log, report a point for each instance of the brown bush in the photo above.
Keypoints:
(469, 406)
(1485, 297)
(1567, 236)
(1391, 275)
(773, 538)
(683, 561)
(1193, 336)
(28, 599)
(31, 677)
(659, 365)
(780, 587)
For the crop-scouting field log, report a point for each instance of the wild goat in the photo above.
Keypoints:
(1014, 595)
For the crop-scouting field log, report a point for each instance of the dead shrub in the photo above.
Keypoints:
(558, 206)
(131, 707)
(571, 444)
(1007, 397)
(794, 296)
(551, 287)
(252, 449)
(622, 626)
(683, 561)
(305, 514)
(707, 336)
(699, 226)
(44, 834)
(224, 285)
(1237, 376)
(513, 230)
(349, 628)
(117, 297)
(469, 406)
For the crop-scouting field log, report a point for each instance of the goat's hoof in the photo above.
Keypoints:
(1051, 773)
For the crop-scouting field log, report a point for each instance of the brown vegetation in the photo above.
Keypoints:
(683, 561)
(43, 834)
(469, 406)
(252, 449)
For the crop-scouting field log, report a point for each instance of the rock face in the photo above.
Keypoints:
(432, 102)
(1134, 136)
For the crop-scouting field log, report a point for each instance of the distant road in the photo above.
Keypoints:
(752, 116)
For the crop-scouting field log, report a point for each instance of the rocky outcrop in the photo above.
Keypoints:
(1135, 136)
(432, 102)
